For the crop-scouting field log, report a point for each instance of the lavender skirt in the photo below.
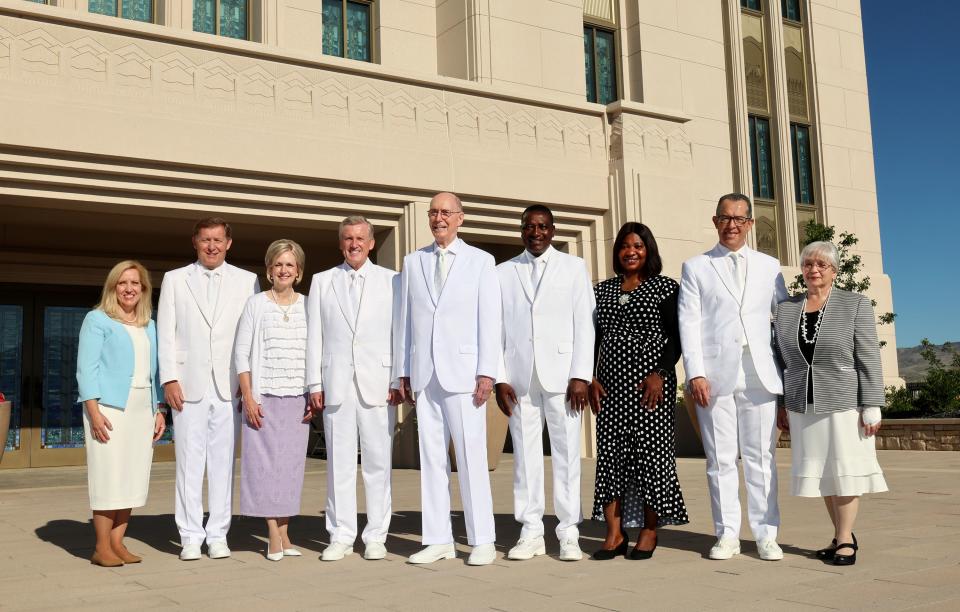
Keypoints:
(273, 458)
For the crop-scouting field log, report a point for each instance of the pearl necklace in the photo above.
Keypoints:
(816, 326)
(283, 311)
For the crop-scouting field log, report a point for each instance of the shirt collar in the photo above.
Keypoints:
(452, 248)
(361, 272)
(724, 251)
(542, 258)
(203, 269)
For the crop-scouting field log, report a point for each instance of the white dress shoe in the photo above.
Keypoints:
(769, 550)
(527, 548)
(336, 551)
(190, 552)
(725, 548)
(482, 554)
(570, 550)
(292, 552)
(434, 552)
(274, 556)
(218, 550)
(374, 551)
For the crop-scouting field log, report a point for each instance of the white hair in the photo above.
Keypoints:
(821, 250)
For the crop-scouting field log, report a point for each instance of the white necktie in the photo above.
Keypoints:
(535, 273)
(356, 284)
(213, 288)
(737, 272)
(440, 276)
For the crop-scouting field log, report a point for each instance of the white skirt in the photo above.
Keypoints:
(118, 471)
(831, 456)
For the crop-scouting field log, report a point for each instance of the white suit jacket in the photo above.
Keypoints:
(193, 341)
(342, 344)
(713, 317)
(549, 330)
(456, 334)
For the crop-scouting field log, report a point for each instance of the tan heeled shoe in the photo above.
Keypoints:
(96, 559)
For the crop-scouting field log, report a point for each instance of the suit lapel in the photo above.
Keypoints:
(195, 283)
(522, 269)
(427, 265)
(722, 268)
(341, 289)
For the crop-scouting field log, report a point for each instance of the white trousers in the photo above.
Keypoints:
(341, 426)
(744, 422)
(526, 429)
(205, 435)
(442, 416)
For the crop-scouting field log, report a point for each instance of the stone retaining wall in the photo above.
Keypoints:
(911, 434)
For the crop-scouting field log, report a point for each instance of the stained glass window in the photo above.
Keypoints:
(761, 158)
(11, 356)
(346, 23)
(802, 163)
(223, 17)
(62, 414)
(137, 10)
(600, 65)
(791, 9)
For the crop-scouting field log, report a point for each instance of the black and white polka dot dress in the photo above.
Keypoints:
(637, 332)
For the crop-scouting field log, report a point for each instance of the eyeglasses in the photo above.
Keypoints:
(443, 214)
(819, 265)
(738, 221)
(529, 227)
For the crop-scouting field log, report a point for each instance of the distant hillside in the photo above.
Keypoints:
(912, 366)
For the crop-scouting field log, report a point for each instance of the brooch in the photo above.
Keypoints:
(624, 299)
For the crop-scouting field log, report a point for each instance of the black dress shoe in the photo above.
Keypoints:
(640, 555)
(839, 559)
(605, 555)
(826, 554)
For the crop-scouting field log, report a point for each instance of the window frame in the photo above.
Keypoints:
(751, 10)
(611, 28)
(371, 51)
(216, 20)
(800, 11)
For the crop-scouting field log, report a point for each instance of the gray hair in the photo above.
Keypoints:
(820, 249)
(735, 197)
(355, 220)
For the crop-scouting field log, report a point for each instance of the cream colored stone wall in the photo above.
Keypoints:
(481, 97)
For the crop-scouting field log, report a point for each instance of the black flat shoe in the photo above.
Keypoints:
(839, 559)
(826, 554)
(641, 555)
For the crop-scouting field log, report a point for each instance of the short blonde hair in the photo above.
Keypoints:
(109, 303)
(278, 248)
(824, 250)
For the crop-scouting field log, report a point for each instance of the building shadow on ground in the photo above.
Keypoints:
(308, 532)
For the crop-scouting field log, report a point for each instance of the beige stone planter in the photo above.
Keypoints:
(911, 434)
(406, 453)
(5, 409)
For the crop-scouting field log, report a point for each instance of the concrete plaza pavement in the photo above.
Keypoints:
(910, 556)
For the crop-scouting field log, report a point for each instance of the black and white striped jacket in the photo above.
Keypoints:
(846, 360)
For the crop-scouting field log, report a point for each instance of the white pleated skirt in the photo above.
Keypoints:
(118, 471)
(831, 456)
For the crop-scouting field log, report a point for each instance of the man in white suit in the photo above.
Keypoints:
(349, 362)
(727, 296)
(447, 351)
(547, 364)
(200, 305)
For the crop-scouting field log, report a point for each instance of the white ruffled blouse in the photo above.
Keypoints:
(284, 364)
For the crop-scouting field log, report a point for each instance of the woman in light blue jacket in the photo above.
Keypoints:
(117, 377)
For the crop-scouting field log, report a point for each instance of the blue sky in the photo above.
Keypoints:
(914, 80)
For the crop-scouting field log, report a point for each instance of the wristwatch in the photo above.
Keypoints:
(661, 373)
